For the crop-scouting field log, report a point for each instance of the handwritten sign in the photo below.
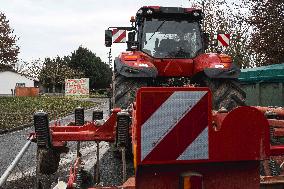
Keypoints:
(77, 86)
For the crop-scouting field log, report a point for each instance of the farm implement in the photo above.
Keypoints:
(177, 142)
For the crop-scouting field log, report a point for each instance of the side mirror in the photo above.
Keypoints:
(108, 38)
(206, 39)
(131, 40)
(131, 36)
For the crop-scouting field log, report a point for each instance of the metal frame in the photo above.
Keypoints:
(228, 156)
(88, 132)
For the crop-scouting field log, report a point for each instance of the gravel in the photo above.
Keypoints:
(24, 174)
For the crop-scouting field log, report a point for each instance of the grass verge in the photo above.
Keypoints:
(17, 111)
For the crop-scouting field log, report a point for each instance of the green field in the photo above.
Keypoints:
(16, 111)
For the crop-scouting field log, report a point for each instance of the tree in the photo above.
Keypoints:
(267, 41)
(4, 67)
(223, 16)
(239, 47)
(55, 71)
(92, 67)
(31, 68)
(8, 48)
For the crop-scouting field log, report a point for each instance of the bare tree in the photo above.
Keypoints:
(55, 71)
(228, 17)
(31, 68)
(267, 41)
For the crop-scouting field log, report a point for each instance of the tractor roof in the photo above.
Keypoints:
(169, 12)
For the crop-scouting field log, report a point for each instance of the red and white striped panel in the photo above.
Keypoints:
(177, 129)
(118, 36)
(223, 40)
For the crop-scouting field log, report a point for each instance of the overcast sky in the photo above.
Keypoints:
(48, 28)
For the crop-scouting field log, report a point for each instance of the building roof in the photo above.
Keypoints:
(24, 75)
(271, 73)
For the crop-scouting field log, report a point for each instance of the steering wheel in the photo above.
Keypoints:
(179, 53)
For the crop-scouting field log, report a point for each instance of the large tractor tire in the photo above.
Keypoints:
(226, 93)
(124, 94)
(125, 90)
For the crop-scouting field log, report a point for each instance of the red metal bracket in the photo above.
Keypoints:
(88, 132)
(73, 172)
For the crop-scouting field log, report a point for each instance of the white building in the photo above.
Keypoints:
(9, 80)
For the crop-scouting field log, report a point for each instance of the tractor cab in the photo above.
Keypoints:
(165, 32)
(169, 32)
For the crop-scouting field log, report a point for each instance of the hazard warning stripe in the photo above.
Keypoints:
(182, 135)
(119, 36)
(223, 39)
(198, 149)
(165, 119)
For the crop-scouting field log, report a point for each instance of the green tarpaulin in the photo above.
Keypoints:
(271, 73)
(264, 86)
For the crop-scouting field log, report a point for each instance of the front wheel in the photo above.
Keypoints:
(124, 94)
(125, 90)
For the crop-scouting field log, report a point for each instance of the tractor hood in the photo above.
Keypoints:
(138, 62)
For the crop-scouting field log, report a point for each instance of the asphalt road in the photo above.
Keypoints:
(11, 143)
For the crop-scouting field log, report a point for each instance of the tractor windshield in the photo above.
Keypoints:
(171, 38)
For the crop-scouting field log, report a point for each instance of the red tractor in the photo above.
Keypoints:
(166, 47)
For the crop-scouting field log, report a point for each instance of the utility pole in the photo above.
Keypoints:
(203, 10)
(109, 58)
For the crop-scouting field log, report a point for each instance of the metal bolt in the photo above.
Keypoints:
(98, 115)
(79, 116)
(270, 114)
(222, 110)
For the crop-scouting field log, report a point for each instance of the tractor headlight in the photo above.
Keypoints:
(140, 11)
(219, 66)
(196, 14)
(149, 11)
(143, 65)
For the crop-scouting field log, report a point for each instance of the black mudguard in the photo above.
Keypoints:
(129, 71)
(232, 72)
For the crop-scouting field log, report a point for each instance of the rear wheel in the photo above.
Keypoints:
(226, 93)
